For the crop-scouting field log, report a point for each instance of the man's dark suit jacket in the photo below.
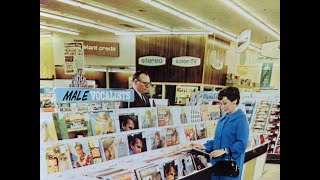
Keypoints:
(138, 102)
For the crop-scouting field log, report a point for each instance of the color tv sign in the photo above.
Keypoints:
(186, 61)
(97, 48)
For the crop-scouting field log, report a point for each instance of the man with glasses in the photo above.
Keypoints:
(141, 83)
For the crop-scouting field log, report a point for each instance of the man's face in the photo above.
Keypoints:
(136, 148)
(129, 126)
(52, 165)
(142, 83)
(171, 173)
(79, 150)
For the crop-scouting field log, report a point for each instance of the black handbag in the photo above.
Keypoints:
(226, 167)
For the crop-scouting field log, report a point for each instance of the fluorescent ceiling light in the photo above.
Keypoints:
(112, 14)
(45, 35)
(190, 19)
(78, 22)
(251, 18)
(59, 30)
(163, 33)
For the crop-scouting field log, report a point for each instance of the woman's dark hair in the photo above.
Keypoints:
(137, 74)
(232, 93)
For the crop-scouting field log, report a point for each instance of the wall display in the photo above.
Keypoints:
(73, 57)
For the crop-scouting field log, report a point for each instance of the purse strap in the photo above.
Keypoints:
(230, 154)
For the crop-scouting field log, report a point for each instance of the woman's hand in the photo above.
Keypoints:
(217, 153)
(197, 146)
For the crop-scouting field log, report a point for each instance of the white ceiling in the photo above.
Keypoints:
(214, 13)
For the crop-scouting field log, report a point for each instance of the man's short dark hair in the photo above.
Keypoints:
(137, 74)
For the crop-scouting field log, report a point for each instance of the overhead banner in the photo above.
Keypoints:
(152, 61)
(271, 49)
(65, 95)
(73, 57)
(98, 48)
(186, 61)
(266, 75)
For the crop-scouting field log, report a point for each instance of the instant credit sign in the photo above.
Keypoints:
(64, 95)
(186, 61)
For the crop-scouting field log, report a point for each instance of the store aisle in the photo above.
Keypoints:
(271, 172)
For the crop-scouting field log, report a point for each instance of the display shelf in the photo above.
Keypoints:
(272, 131)
(261, 116)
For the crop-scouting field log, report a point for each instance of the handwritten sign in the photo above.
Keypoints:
(64, 95)
(186, 61)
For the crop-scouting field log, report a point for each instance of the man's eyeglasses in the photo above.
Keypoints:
(145, 83)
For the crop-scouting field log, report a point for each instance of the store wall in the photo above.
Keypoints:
(170, 47)
(46, 58)
(126, 49)
(213, 75)
(247, 66)
(119, 79)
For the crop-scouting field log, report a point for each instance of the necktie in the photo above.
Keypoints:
(144, 100)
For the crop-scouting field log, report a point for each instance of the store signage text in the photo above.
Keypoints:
(152, 61)
(64, 95)
(186, 61)
(97, 48)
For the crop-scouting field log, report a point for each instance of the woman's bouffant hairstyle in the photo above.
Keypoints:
(232, 93)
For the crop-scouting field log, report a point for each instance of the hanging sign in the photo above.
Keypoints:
(186, 61)
(243, 40)
(152, 61)
(64, 95)
(266, 75)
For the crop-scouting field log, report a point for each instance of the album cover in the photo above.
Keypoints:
(201, 131)
(80, 154)
(58, 159)
(102, 122)
(190, 133)
(150, 172)
(128, 121)
(95, 150)
(108, 148)
(121, 146)
(186, 165)
(164, 116)
(172, 137)
(178, 115)
(211, 128)
(137, 143)
(157, 138)
(147, 117)
(47, 128)
(170, 170)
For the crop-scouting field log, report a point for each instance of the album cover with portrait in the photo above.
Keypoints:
(80, 153)
(170, 170)
(190, 133)
(127, 119)
(102, 122)
(201, 131)
(147, 117)
(157, 138)
(95, 150)
(108, 148)
(137, 143)
(172, 137)
(58, 158)
(47, 128)
(149, 172)
(164, 116)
